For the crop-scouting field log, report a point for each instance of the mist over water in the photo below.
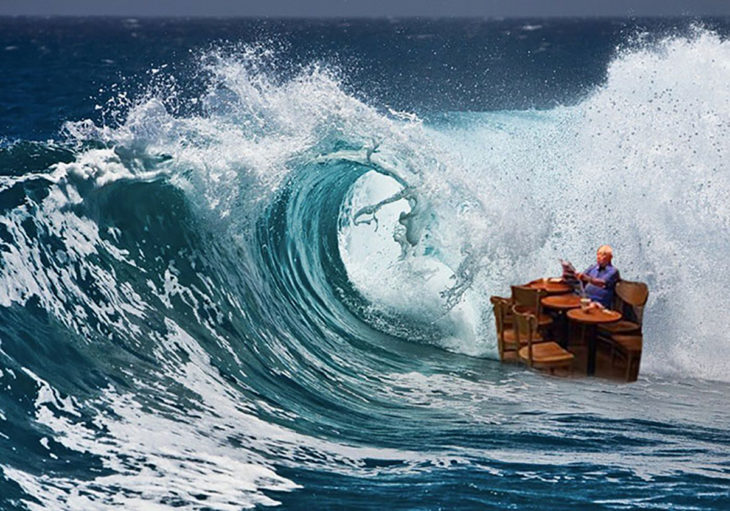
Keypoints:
(251, 284)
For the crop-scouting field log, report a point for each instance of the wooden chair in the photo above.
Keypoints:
(624, 337)
(539, 355)
(507, 312)
(528, 300)
(631, 298)
(507, 343)
(629, 347)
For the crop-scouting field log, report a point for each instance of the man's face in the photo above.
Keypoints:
(603, 257)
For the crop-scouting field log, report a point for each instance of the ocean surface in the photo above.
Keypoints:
(247, 263)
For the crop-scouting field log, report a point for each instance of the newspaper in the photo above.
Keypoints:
(569, 276)
(568, 270)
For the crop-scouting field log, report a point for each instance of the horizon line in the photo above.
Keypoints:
(368, 17)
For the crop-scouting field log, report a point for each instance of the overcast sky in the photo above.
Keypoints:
(376, 8)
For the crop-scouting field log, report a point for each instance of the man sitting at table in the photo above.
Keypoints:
(601, 277)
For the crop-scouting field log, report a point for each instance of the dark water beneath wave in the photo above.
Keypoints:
(196, 311)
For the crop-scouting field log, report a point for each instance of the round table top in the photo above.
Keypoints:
(561, 302)
(594, 316)
(552, 288)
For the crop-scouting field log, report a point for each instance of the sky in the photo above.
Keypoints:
(367, 8)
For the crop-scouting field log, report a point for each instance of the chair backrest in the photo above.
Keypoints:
(528, 297)
(633, 293)
(501, 307)
(525, 325)
(632, 297)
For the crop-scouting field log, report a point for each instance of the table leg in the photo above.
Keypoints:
(591, 364)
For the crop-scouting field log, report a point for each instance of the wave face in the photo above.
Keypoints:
(245, 287)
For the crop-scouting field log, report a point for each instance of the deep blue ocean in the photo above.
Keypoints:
(247, 263)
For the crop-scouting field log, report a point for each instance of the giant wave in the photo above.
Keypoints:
(271, 267)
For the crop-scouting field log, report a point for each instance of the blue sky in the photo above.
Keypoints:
(378, 8)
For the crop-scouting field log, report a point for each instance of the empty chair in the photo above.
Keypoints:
(628, 347)
(508, 310)
(507, 342)
(540, 355)
(505, 334)
(631, 298)
(527, 299)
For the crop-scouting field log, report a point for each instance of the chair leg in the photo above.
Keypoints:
(633, 361)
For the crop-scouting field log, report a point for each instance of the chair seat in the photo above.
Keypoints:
(546, 353)
(628, 343)
(620, 327)
(510, 338)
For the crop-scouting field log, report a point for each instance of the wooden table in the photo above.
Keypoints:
(591, 318)
(551, 288)
(561, 304)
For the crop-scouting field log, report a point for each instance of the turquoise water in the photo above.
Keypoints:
(247, 263)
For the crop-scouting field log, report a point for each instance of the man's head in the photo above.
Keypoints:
(604, 255)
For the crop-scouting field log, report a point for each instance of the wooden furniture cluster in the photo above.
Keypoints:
(543, 310)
